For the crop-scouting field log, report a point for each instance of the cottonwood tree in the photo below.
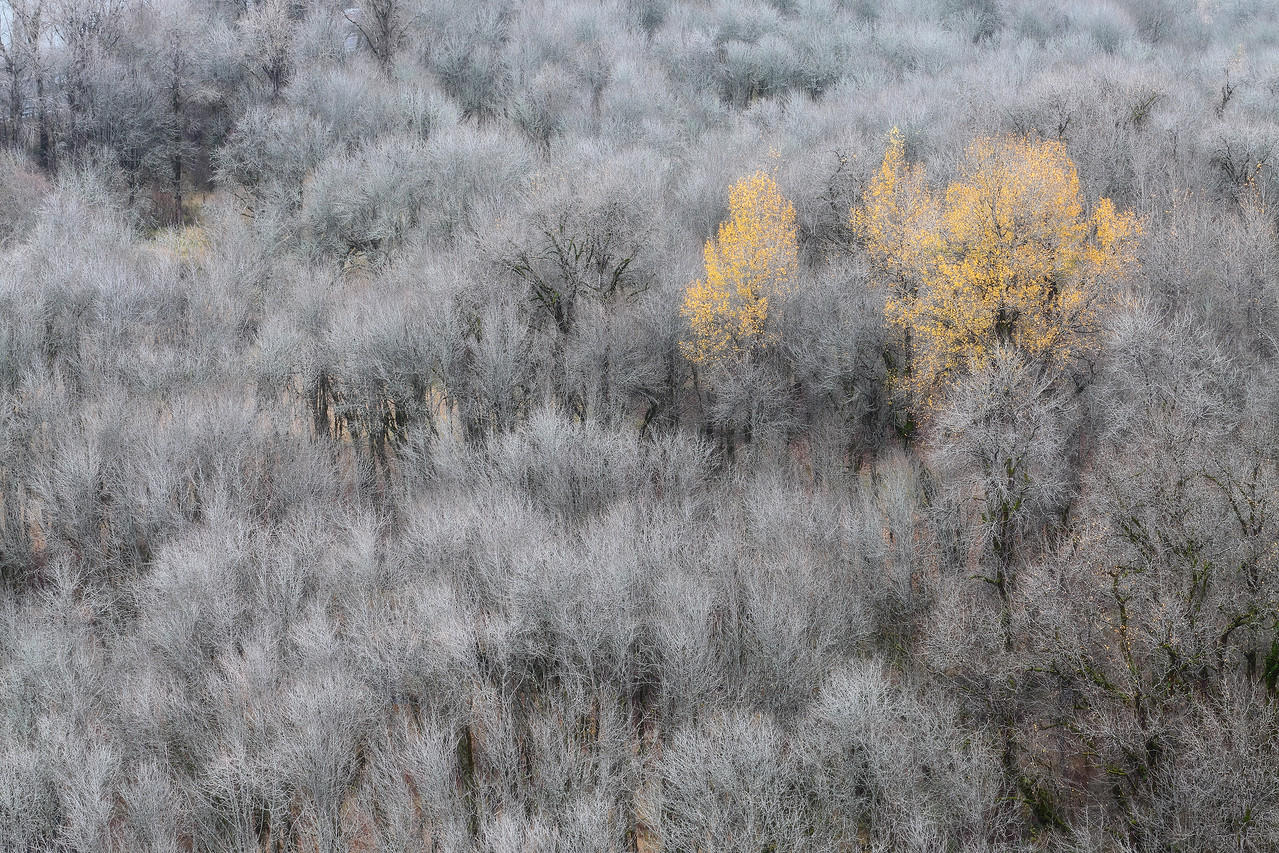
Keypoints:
(87, 32)
(1158, 607)
(14, 59)
(751, 262)
(25, 26)
(578, 261)
(999, 448)
(177, 57)
(1006, 256)
(384, 26)
(470, 59)
(901, 770)
(269, 30)
(358, 207)
(581, 250)
(737, 752)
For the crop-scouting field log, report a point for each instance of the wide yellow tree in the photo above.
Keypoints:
(749, 265)
(1006, 257)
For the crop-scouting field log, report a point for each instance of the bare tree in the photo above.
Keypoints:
(383, 26)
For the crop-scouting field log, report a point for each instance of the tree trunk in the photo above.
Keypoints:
(176, 104)
(15, 108)
(43, 151)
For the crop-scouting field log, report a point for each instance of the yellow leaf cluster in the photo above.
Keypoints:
(752, 261)
(897, 218)
(1006, 256)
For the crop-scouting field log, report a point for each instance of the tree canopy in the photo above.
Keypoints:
(749, 264)
(1007, 255)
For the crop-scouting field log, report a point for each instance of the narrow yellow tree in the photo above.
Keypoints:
(1006, 257)
(897, 219)
(751, 262)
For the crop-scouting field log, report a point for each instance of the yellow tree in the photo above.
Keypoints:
(897, 219)
(750, 263)
(1006, 257)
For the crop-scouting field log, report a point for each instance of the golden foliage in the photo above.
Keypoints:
(752, 261)
(897, 217)
(1007, 256)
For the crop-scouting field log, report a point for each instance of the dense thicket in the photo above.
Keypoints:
(358, 490)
